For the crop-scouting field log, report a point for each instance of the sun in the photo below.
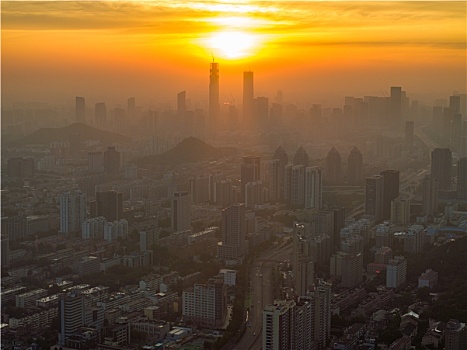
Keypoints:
(232, 44)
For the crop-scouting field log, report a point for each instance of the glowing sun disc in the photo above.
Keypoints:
(232, 44)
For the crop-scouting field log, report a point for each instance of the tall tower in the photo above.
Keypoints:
(248, 99)
(72, 211)
(313, 188)
(100, 114)
(391, 190)
(430, 195)
(71, 314)
(181, 103)
(441, 163)
(355, 167)
(333, 167)
(214, 106)
(80, 109)
(396, 106)
(110, 205)
(111, 160)
(181, 211)
(374, 191)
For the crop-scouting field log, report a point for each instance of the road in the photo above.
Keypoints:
(261, 293)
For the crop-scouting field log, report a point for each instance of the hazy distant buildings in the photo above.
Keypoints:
(430, 195)
(95, 162)
(333, 174)
(261, 115)
(214, 105)
(181, 103)
(72, 211)
(441, 163)
(374, 197)
(80, 110)
(283, 158)
(20, 167)
(409, 132)
(100, 114)
(400, 210)
(395, 106)
(355, 167)
(301, 157)
(233, 246)
(181, 211)
(112, 161)
(390, 191)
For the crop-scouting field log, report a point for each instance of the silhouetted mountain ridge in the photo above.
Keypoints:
(190, 150)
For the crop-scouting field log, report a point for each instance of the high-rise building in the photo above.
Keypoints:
(400, 210)
(355, 167)
(430, 195)
(181, 103)
(71, 314)
(441, 163)
(147, 237)
(349, 267)
(261, 113)
(297, 189)
(333, 173)
(181, 211)
(374, 194)
(462, 178)
(271, 178)
(313, 188)
(248, 100)
(131, 107)
(455, 335)
(396, 272)
(254, 194)
(249, 171)
(302, 264)
(278, 325)
(233, 246)
(321, 297)
(199, 189)
(391, 190)
(110, 205)
(205, 304)
(72, 211)
(414, 238)
(409, 128)
(111, 161)
(80, 110)
(339, 223)
(283, 158)
(214, 105)
(100, 114)
(301, 157)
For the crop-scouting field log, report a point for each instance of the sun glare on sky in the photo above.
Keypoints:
(232, 44)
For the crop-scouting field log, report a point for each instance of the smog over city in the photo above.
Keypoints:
(219, 174)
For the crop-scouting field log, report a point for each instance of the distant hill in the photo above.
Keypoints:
(190, 150)
(74, 133)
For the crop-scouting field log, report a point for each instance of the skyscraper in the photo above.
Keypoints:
(430, 195)
(396, 273)
(374, 195)
(313, 188)
(333, 167)
(72, 211)
(249, 171)
(297, 189)
(391, 190)
(396, 106)
(181, 103)
(301, 157)
(261, 113)
(71, 314)
(110, 205)
(271, 176)
(214, 105)
(80, 109)
(248, 100)
(234, 245)
(355, 167)
(181, 211)
(283, 158)
(441, 163)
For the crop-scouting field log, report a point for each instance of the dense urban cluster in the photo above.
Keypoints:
(270, 226)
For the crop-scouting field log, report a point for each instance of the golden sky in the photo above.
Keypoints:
(313, 51)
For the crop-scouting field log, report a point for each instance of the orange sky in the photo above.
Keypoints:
(313, 51)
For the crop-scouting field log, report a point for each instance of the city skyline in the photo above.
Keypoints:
(311, 50)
